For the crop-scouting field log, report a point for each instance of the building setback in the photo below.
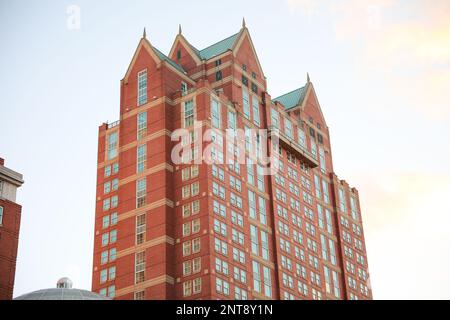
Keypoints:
(223, 231)
(10, 212)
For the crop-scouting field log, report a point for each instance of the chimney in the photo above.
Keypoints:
(2, 162)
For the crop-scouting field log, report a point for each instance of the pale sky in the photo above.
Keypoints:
(381, 70)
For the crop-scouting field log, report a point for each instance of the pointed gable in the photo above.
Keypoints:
(311, 106)
(244, 49)
(190, 57)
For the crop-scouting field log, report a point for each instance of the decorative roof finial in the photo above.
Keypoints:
(179, 29)
(144, 34)
(243, 22)
(307, 78)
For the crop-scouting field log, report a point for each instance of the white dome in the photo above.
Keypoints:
(65, 283)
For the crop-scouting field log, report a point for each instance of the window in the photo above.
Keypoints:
(115, 167)
(141, 125)
(113, 236)
(260, 177)
(105, 239)
(141, 158)
(342, 205)
(222, 267)
(265, 245)
(104, 257)
(107, 172)
(232, 124)
(112, 291)
(195, 207)
(254, 87)
(112, 254)
(187, 288)
(107, 187)
(353, 208)
(254, 239)
(178, 54)
(332, 252)
(240, 275)
(218, 75)
(196, 265)
(262, 210)
(244, 81)
(215, 113)
(141, 190)
(322, 160)
(275, 118)
(218, 62)
(188, 113)
(140, 295)
(195, 225)
(255, 105)
(114, 218)
(187, 268)
(114, 201)
(323, 242)
(246, 103)
(329, 223)
(115, 184)
(112, 145)
(252, 204)
(142, 87)
(240, 294)
(220, 227)
(186, 248)
(106, 204)
(105, 221)
(256, 276)
(267, 282)
(184, 88)
(326, 196)
(112, 273)
(317, 186)
(197, 285)
(222, 287)
(337, 290)
(103, 276)
(313, 148)
(288, 128)
(195, 188)
(140, 229)
(139, 274)
(301, 138)
(326, 272)
(250, 172)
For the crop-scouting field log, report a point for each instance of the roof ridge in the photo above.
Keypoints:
(285, 94)
(220, 41)
(168, 59)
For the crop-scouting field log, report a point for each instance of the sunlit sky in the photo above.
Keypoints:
(381, 70)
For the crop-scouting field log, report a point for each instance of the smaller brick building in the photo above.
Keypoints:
(9, 228)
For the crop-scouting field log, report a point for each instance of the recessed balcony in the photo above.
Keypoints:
(294, 148)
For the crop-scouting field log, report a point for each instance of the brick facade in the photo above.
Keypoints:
(10, 213)
(192, 231)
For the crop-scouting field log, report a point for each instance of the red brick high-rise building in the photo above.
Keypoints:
(10, 213)
(165, 230)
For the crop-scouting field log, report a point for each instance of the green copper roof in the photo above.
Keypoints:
(292, 99)
(218, 48)
(162, 56)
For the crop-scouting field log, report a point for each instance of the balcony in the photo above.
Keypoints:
(294, 148)
(113, 124)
